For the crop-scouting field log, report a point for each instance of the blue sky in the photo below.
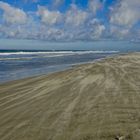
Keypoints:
(70, 20)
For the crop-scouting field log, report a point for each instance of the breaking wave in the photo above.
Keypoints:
(54, 52)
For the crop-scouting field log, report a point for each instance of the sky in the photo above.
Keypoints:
(70, 20)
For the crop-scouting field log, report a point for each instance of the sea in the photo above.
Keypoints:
(18, 64)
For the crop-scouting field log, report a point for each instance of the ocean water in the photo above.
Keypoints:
(18, 64)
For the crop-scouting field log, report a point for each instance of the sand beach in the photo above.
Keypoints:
(95, 101)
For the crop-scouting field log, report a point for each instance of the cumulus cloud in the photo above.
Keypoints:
(118, 32)
(73, 23)
(125, 13)
(12, 15)
(8, 32)
(49, 17)
(57, 3)
(94, 5)
(96, 29)
(33, 1)
(75, 16)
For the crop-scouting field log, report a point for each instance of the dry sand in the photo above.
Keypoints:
(99, 101)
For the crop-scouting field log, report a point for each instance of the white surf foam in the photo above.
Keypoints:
(56, 52)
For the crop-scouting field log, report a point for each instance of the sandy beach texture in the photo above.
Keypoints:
(99, 101)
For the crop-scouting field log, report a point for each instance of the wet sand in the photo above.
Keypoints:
(99, 101)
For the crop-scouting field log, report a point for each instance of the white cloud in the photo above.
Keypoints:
(49, 17)
(33, 1)
(75, 16)
(96, 29)
(12, 15)
(57, 3)
(125, 13)
(118, 32)
(7, 31)
(75, 23)
(94, 5)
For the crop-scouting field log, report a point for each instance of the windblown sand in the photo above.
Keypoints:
(99, 101)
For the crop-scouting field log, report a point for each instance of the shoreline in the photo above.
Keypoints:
(70, 66)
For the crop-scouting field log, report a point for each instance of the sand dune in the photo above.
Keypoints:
(99, 101)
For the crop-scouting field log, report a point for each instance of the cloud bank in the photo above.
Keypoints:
(96, 21)
(12, 15)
